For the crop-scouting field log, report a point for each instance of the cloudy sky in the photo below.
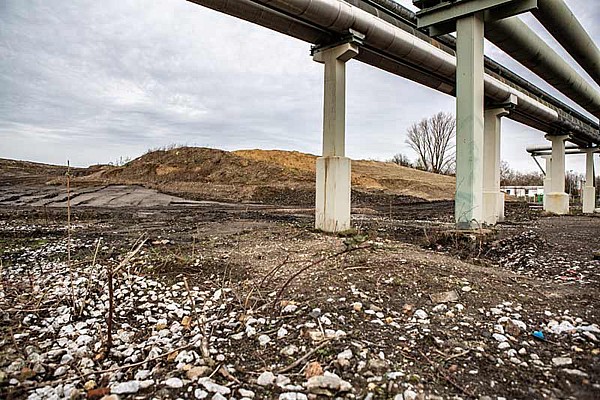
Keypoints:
(92, 81)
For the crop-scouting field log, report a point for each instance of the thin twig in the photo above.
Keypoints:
(273, 270)
(69, 233)
(201, 322)
(452, 357)
(312, 264)
(109, 322)
(303, 358)
(129, 256)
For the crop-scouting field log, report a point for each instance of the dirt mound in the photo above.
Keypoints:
(266, 176)
(27, 172)
(367, 175)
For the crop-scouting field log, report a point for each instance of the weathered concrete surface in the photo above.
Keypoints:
(96, 196)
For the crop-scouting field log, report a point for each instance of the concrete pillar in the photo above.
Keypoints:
(547, 180)
(332, 205)
(557, 201)
(589, 191)
(493, 199)
(468, 206)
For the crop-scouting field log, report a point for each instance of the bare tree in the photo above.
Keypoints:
(433, 140)
(402, 160)
(510, 177)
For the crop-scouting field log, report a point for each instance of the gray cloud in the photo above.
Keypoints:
(91, 81)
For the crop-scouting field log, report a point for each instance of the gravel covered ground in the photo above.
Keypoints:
(225, 303)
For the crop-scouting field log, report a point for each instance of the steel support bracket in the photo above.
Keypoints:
(352, 37)
(438, 17)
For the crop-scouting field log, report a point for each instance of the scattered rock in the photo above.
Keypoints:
(198, 372)
(265, 379)
(174, 383)
(246, 393)
(313, 369)
(329, 381)
(444, 297)
(575, 372)
(560, 361)
(409, 395)
(214, 387)
(292, 396)
(125, 387)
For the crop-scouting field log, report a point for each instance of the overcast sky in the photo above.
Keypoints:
(91, 81)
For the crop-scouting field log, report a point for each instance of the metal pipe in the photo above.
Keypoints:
(448, 44)
(340, 16)
(542, 147)
(386, 46)
(558, 19)
(567, 152)
(515, 38)
(269, 17)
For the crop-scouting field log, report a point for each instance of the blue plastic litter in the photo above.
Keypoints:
(539, 335)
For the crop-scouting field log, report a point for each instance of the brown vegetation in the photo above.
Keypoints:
(256, 175)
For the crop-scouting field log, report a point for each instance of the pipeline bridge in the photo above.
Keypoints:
(417, 46)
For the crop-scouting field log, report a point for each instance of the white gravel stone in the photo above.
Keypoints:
(420, 314)
(440, 308)
(146, 383)
(174, 383)
(575, 372)
(142, 374)
(282, 380)
(263, 340)
(265, 379)
(409, 395)
(499, 337)
(290, 308)
(560, 361)
(125, 387)
(214, 387)
(292, 396)
(329, 381)
(282, 332)
(200, 394)
(246, 393)
(289, 350)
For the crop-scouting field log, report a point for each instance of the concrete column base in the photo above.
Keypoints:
(493, 207)
(500, 207)
(589, 199)
(490, 207)
(557, 203)
(332, 206)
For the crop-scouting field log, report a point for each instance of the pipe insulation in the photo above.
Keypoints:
(516, 39)
(558, 19)
(386, 46)
(256, 13)
(339, 16)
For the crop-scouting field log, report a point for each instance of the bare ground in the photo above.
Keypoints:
(369, 293)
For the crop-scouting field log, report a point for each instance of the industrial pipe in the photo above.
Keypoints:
(542, 147)
(515, 38)
(386, 46)
(268, 17)
(558, 19)
(339, 16)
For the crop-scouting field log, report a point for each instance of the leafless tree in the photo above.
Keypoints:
(510, 177)
(433, 140)
(402, 160)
